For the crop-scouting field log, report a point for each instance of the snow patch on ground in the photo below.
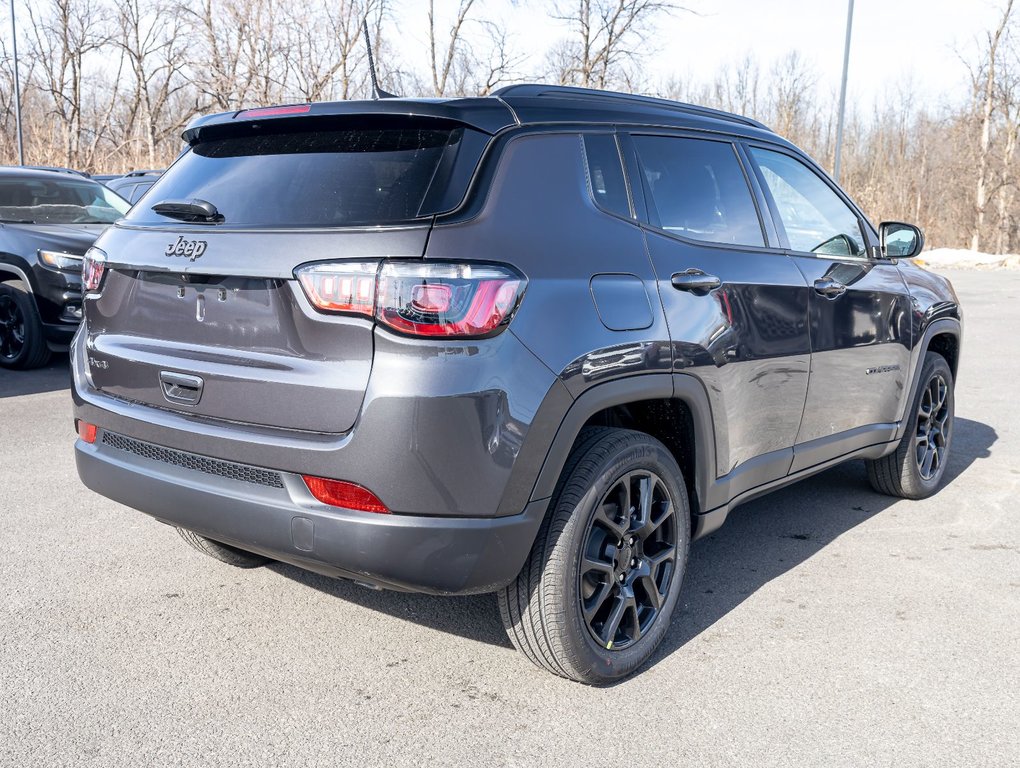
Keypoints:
(958, 258)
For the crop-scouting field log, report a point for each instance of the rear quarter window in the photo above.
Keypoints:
(308, 178)
(605, 174)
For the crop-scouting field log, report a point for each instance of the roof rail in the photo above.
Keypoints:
(55, 169)
(537, 90)
(147, 172)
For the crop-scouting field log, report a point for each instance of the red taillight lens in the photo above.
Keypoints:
(447, 300)
(340, 287)
(86, 431)
(93, 267)
(293, 109)
(339, 493)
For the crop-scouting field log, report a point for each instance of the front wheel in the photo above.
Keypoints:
(597, 593)
(22, 345)
(916, 468)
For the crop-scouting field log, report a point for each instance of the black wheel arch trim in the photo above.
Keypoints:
(16, 272)
(651, 386)
(946, 325)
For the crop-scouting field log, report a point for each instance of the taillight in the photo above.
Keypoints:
(340, 287)
(93, 267)
(448, 300)
(340, 493)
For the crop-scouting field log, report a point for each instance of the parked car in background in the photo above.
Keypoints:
(132, 186)
(48, 219)
(531, 344)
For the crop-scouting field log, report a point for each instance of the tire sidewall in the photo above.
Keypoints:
(610, 665)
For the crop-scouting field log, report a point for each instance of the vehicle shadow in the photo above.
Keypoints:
(760, 541)
(53, 376)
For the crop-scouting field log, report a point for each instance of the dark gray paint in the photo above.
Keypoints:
(454, 434)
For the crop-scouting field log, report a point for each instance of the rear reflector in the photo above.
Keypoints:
(339, 493)
(293, 109)
(86, 431)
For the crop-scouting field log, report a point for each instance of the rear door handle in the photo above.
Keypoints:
(695, 280)
(829, 288)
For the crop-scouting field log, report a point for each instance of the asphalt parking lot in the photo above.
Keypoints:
(823, 625)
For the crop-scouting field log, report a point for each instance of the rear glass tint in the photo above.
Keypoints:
(327, 178)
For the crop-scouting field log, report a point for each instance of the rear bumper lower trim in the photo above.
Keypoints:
(439, 555)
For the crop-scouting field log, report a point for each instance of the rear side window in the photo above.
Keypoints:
(698, 190)
(308, 178)
(605, 174)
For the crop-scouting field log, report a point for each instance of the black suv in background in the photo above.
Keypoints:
(48, 219)
(533, 343)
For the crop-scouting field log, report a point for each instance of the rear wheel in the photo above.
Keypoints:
(22, 344)
(222, 552)
(597, 593)
(915, 470)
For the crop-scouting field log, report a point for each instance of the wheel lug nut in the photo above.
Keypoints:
(622, 577)
(633, 562)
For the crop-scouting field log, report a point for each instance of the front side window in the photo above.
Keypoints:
(698, 190)
(815, 218)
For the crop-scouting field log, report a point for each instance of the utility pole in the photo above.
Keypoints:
(17, 87)
(842, 90)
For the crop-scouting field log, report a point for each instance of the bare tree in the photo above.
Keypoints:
(605, 39)
(984, 86)
(64, 33)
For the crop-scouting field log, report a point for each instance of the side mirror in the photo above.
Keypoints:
(899, 240)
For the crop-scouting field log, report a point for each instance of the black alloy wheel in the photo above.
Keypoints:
(12, 329)
(629, 559)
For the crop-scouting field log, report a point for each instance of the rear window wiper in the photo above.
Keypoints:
(16, 221)
(189, 210)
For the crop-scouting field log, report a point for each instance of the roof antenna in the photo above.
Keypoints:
(377, 92)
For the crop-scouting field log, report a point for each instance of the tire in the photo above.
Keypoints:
(543, 610)
(916, 468)
(22, 344)
(223, 552)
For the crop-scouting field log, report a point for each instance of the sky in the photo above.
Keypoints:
(893, 41)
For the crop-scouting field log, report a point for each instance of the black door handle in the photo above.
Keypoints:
(695, 280)
(829, 288)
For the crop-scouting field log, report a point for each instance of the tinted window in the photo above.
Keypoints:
(605, 174)
(37, 200)
(815, 218)
(698, 190)
(323, 178)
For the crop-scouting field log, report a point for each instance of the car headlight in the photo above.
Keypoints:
(64, 262)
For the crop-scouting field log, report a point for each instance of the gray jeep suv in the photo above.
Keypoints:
(531, 344)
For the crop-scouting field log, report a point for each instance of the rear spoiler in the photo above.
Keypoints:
(487, 115)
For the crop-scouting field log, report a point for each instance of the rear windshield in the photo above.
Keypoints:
(326, 178)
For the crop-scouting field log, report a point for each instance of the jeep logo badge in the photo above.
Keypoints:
(189, 249)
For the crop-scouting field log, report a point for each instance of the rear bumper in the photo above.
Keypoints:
(440, 555)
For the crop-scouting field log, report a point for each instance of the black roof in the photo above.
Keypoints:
(508, 107)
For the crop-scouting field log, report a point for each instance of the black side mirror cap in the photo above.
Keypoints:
(900, 240)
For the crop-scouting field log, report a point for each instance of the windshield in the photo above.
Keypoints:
(59, 201)
(323, 178)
